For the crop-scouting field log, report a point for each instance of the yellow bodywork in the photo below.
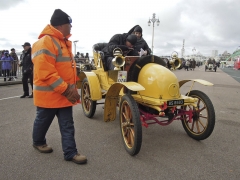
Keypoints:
(201, 81)
(159, 82)
(156, 86)
(94, 84)
(113, 97)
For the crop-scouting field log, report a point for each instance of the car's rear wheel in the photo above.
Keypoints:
(88, 105)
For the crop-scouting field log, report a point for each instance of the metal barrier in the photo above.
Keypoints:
(10, 70)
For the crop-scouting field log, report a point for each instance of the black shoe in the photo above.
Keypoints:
(31, 96)
(23, 96)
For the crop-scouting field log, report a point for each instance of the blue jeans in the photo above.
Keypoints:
(43, 121)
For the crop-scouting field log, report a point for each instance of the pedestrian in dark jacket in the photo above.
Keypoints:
(87, 56)
(15, 63)
(141, 43)
(27, 69)
(1, 55)
(193, 64)
(77, 55)
(7, 61)
(123, 41)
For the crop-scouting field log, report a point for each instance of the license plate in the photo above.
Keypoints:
(122, 76)
(175, 102)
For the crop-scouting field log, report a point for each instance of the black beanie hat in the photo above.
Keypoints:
(138, 29)
(132, 39)
(59, 18)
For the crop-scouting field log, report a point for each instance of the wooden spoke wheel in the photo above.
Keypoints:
(131, 128)
(203, 118)
(88, 105)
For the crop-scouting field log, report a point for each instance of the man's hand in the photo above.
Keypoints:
(71, 94)
(126, 52)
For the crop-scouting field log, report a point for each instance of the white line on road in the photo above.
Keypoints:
(9, 98)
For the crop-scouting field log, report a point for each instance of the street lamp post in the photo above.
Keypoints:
(75, 42)
(153, 21)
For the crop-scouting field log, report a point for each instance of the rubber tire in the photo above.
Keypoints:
(136, 122)
(92, 107)
(211, 116)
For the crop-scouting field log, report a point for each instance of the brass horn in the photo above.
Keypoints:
(118, 60)
(175, 62)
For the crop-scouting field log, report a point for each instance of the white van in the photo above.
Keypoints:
(228, 64)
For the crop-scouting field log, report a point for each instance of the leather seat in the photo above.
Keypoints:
(98, 48)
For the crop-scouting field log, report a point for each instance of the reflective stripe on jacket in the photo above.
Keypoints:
(54, 68)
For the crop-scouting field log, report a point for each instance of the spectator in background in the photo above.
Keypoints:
(15, 63)
(87, 56)
(187, 65)
(77, 55)
(7, 61)
(198, 64)
(27, 69)
(1, 55)
(193, 64)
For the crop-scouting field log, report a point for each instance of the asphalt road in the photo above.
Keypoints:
(166, 153)
(235, 74)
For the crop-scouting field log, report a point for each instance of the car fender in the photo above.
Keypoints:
(94, 84)
(112, 98)
(201, 81)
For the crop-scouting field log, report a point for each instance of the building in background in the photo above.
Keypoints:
(214, 54)
(224, 56)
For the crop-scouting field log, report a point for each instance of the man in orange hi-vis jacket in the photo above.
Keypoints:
(55, 89)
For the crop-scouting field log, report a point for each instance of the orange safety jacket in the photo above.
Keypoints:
(54, 68)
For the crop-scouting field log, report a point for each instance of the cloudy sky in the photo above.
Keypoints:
(205, 25)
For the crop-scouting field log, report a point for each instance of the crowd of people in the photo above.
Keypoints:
(8, 64)
(190, 64)
(81, 55)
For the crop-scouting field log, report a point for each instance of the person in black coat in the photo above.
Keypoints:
(123, 41)
(141, 43)
(27, 69)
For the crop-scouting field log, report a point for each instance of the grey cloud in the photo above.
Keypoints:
(6, 4)
(213, 25)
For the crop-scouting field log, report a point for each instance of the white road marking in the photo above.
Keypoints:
(9, 98)
(235, 76)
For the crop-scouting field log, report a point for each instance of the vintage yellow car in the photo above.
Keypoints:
(144, 92)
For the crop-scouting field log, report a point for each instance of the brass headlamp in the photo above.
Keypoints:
(118, 60)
